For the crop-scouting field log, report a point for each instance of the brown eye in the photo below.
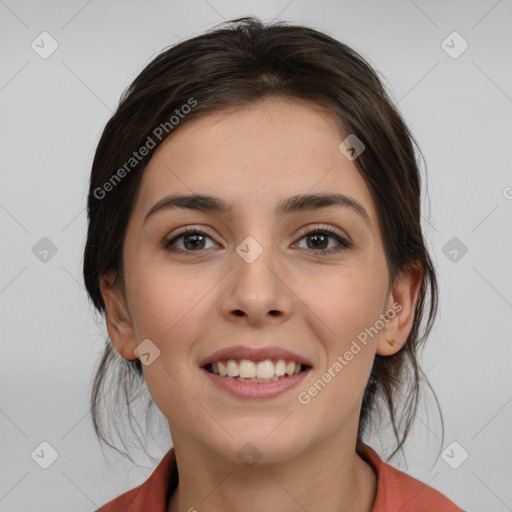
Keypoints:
(320, 241)
(193, 240)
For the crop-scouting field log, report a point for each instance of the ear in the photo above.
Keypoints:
(119, 326)
(401, 302)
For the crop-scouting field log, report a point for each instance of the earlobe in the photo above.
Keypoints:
(120, 329)
(389, 346)
(400, 311)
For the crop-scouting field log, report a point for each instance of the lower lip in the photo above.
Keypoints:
(256, 390)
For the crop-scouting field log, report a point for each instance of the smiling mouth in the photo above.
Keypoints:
(245, 370)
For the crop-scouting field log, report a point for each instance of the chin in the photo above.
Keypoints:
(256, 445)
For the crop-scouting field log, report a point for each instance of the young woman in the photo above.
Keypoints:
(255, 244)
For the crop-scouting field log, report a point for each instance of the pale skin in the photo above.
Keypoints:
(192, 304)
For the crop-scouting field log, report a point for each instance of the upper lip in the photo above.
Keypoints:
(254, 354)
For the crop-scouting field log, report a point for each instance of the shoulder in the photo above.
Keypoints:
(397, 490)
(121, 503)
(150, 496)
(412, 495)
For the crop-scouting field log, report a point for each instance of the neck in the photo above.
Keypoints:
(320, 479)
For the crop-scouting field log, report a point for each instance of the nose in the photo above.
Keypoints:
(258, 291)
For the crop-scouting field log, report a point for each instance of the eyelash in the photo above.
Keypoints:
(344, 243)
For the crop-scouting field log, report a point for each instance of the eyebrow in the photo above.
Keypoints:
(293, 204)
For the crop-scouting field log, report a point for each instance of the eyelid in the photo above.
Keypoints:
(186, 229)
(324, 227)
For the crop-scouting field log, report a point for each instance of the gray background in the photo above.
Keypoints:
(52, 113)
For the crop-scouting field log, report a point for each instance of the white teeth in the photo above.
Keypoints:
(261, 371)
(222, 369)
(280, 368)
(265, 369)
(247, 369)
(232, 368)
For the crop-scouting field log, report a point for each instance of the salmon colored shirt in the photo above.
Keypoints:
(396, 491)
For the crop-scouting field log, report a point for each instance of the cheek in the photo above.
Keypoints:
(169, 311)
(349, 306)
(348, 302)
(165, 302)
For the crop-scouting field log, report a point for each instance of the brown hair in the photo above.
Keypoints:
(233, 66)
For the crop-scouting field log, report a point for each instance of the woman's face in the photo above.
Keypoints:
(254, 279)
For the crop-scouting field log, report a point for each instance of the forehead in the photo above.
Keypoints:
(254, 157)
